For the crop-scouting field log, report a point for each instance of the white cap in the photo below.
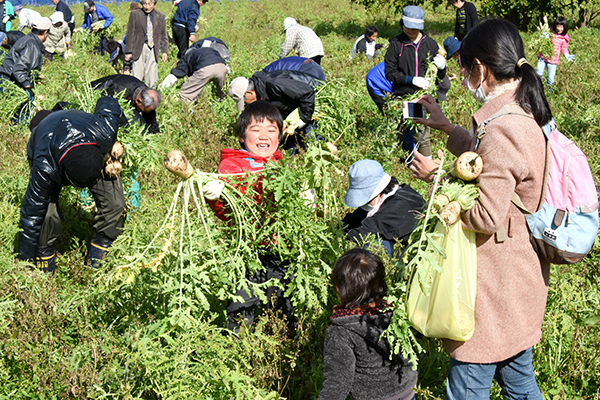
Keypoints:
(237, 88)
(289, 21)
(43, 24)
(57, 16)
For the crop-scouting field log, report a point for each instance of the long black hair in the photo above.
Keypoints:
(560, 21)
(498, 45)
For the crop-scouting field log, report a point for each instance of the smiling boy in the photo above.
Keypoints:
(259, 129)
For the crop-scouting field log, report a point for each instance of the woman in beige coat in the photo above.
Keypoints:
(59, 38)
(512, 282)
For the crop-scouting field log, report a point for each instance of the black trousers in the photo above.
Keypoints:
(108, 220)
(181, 36)
(246, 309)
(378, 100)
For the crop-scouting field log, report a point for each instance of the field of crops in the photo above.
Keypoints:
(148, 324)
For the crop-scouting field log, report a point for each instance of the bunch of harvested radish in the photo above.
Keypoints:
(457, 194)
(450, 197)
(112, 165)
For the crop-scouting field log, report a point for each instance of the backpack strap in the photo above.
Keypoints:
(514, 108)
(510, 108)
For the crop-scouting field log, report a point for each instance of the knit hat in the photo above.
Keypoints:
(87, 5)
(452, 45)
(289, 21)
(43, 24)
(367, 179)
(56, 17)
(413, 17)
(82, 164)
(37, 118)
(237, 88)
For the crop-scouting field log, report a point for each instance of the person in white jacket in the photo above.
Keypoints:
(26, 16)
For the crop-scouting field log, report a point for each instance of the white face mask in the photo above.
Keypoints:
(367, 207)
(478, 94)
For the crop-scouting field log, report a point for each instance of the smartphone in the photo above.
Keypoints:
(413, 110)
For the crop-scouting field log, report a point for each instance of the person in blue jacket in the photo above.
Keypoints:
(378, 85)
(184, 24)
(97, 18)
(296, 63)
(67, 148)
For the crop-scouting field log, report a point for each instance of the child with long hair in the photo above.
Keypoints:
(560, 39)
(357, 360)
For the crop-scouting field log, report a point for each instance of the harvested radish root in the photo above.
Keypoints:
(332, 148)
(177, 163)
(113, 167)
(450, 213)
(117, 150)
(468, 166)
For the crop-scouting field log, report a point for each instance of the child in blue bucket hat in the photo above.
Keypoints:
(385, 208)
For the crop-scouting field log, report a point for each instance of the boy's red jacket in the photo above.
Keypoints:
(237, 161)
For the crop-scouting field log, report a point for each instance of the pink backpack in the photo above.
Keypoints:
(565, 225)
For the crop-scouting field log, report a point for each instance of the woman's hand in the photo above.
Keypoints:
(437, 119)
(425, 168)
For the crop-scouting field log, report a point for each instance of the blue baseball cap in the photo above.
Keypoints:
(452, 45)
(366, 180)
(413, 17)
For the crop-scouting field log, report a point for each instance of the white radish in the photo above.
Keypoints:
(177, 163)
(450, 213)
(117, 150)
(468, 166)
(113, 167)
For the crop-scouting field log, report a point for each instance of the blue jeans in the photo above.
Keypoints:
(470, 381)
(541, 65)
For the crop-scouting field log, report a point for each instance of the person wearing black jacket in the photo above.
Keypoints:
(144, 100)
(386, 209)
(287, 90)
(67, 148)
(10, 38)
(297, 63)
(202, 65)
(26, 55)
(406, 62)
(466, 18)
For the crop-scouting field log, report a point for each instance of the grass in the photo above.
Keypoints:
(83, 334)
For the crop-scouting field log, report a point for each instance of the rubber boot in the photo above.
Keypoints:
(45, 260)
(97, 251)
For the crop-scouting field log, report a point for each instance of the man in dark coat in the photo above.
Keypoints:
(26, 55)
(184, 24)
(10, 38)
(146, 39)
(202, 65)
(67, 148)
(287, 90)
(296, 63)
(144, 100)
